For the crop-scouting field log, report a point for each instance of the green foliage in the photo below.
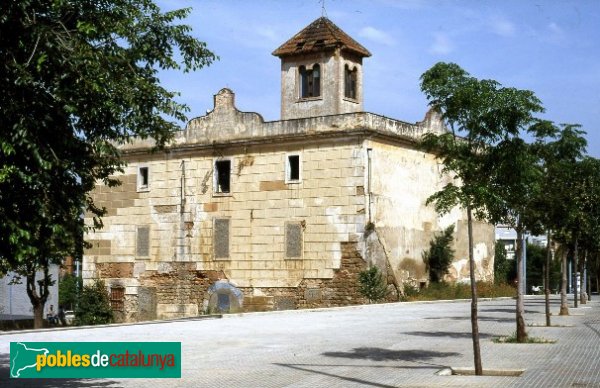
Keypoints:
(440, 255)
(68, 288)
(372, 284)
(484, 114)
(512, 339)
(94, 305)
(447, 291)
(78, 79)
(410, 291)
(536, 260)
(504, 269)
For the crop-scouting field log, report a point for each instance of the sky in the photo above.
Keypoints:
(551, 47)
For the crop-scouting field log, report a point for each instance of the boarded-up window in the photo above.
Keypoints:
(310, 81)
(350, 82)
(293, 240)
(143, 241)
(221, 238)
(117, 298)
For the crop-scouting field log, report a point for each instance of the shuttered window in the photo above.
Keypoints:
(221, 238)
(293, 240)
(143, 241)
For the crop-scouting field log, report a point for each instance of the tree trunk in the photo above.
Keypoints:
(38, 316)
(564, 306)
(474, 323)
(582, 278)
(547, 276)
(575, 269)
(521, 332)
(38, 292)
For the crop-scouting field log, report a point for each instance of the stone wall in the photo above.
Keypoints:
(402, 180)
(180, 290)
(340, 290)
(328, 201)
(187, 217)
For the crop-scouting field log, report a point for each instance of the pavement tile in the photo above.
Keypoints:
(387, 345)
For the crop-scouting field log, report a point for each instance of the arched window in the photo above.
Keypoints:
(350, 82)
(310, 81)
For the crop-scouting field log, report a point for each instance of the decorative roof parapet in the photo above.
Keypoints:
(226, 124)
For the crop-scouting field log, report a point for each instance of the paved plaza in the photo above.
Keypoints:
(386, 345)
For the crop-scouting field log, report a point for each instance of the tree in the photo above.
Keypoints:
(561, 213)
(483, 113)
(587, 197)
(78, 78)
(94, 305)
(68, 288)
(440, 255)
(372, 285)
(504, 269)
(536, 264)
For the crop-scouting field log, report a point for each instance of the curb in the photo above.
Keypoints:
(362, 306)
(156, 322)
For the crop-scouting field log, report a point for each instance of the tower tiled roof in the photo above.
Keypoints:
(320, 35)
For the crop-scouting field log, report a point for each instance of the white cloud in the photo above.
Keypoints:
(376, 35)
(503, 27)
(441, 44)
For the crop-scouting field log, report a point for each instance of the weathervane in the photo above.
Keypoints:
(323, 11)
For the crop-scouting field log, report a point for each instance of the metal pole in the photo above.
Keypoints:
(570, 276)
(524, 264)
(10, 301)
(76, 283)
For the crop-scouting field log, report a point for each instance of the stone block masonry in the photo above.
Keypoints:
(341, 290)
(277, 212)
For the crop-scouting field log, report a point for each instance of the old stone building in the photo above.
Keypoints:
(239, 213)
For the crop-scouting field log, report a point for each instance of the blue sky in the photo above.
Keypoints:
(549, 47)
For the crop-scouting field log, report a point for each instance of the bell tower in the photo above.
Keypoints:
(321, 72)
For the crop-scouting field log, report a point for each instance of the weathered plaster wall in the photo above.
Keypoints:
(332, 100)
(181, 204)
(329, 201)
(402, 179)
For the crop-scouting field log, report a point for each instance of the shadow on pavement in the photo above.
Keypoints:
(345, 378)
(379, 354)
(449, 334)
(510, 311)
(7, 382)
(490, 319)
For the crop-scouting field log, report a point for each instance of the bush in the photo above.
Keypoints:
(67, 291)
(94, 305)
(446, 291)
(503, 268)
(372, 285)
(440, 255)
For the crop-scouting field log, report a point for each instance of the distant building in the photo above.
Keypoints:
(14, 301)
(239, 213)
(508, 237)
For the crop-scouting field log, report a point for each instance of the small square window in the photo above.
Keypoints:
(293, 171)
(222, 176)
(143, 178)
